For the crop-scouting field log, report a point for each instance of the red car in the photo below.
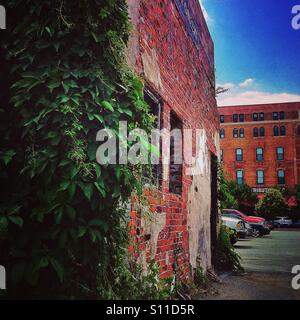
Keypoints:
(250, 219)
(258, 223)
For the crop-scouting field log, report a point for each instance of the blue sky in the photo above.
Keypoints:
(257, 51)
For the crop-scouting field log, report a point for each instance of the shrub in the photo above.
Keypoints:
(226, 257)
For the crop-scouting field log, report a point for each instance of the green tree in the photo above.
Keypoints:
(272, 205)
(244, 195)
(226, 199)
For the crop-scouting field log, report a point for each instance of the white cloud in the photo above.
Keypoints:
(228, 85)
(255, 97)
(247, 83)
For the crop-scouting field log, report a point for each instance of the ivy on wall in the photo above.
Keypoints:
(64, 78)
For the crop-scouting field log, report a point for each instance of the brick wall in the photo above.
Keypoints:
(181, 72)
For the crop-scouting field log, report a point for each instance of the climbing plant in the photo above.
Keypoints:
(62, 215)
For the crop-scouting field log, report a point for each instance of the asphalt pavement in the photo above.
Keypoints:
(277, 252)
(268, 262)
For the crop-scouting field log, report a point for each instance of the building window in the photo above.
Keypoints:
(221, 155)
(260, 177)
(241, 117)
(298, 130)
(275, 115)
(240, 177)
(156, 109)
(280, 153)
(235, 118)
(262, 131)
(235, 133)
(239, 154)
(255, 132)
(175, 173)
(281, 115)
(222, 119)
(276, 131)
(281, 177)
(222, 133)
(261, 116)
(242, 133)
(255, 116)
(259, 154)
(282, 131)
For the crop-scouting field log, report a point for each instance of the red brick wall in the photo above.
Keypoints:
(270, 165)
(183, 76)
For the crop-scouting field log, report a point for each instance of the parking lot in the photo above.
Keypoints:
(268, 262)
(277, 252)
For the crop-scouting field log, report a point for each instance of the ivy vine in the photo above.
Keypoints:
(63, 217)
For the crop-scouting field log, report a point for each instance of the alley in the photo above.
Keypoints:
(268, 262)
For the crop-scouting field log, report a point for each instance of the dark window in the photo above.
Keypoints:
(156, 110)
(221, 155)
(222, 133)
(262, 131)
(298, 130)
(235, 133)
(281, 177)
(235, 118)
(240, 177)
(175, 177)
(260, 177)
(275, 115)
(282, 131)
(255, 116)
(241, 117)
(222, 119)
(280, 153)
(261, 116)
(259, 154)
(255, 132)
(239, 154)
(276, 131)
(242, 133)
(281, 115)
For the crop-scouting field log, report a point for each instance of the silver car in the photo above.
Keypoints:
(282, 222)
(237, 224)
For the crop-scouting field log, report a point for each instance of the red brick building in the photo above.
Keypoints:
(260, 144)
(172, 51)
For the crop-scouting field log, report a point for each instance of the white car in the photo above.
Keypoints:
(236, 224)
(282, 222)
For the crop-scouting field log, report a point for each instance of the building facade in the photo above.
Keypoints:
(172, 52)
(260, 145)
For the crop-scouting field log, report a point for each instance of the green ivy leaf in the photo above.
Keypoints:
(65, 184)
(16, 220)
(82, 231)
(107, 106)
(7, 156)
(74, 171)
(100, 189)
(87, 190)
(93, 235)
(57, 266)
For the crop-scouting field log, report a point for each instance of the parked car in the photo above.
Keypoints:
(282, 222)
(250, 230)
(270, 225)
(260, 225)
(236, 224)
